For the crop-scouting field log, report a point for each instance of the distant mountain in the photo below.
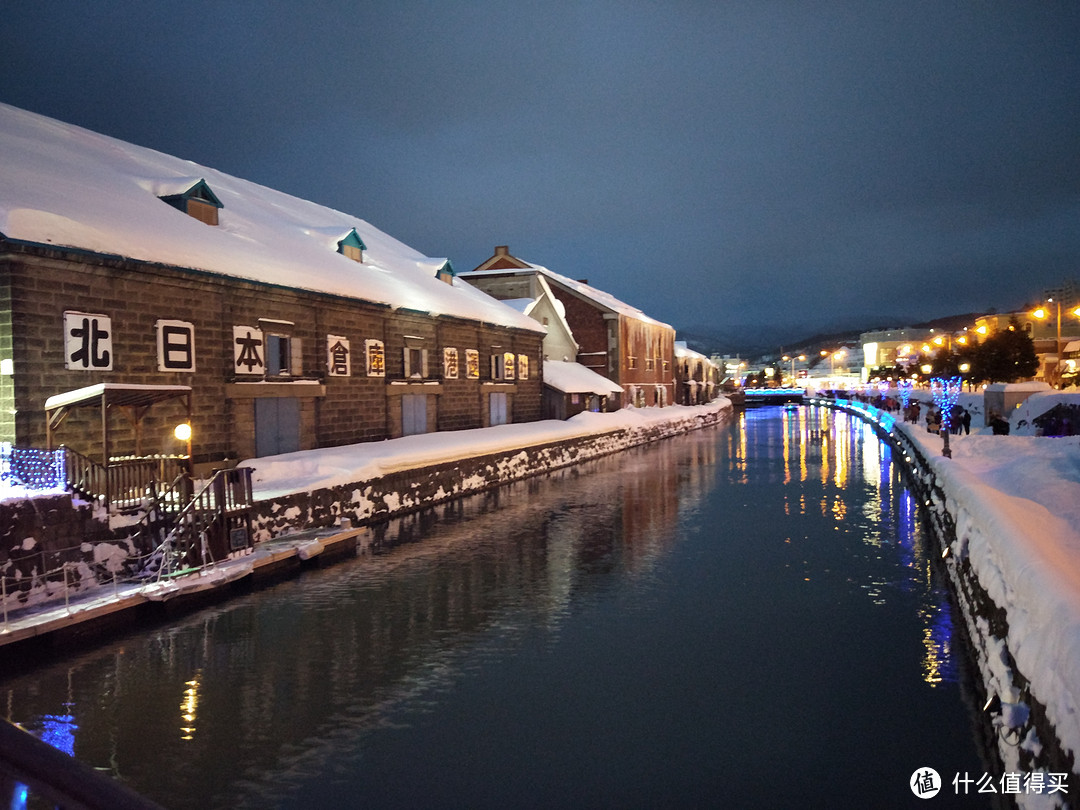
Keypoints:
(754, 340)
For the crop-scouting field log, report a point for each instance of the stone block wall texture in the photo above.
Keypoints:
(40, 285)
(379, 499)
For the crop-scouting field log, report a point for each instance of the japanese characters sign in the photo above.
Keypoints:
(508, 365)
(523, 366)
(88, 341)
(337, 356)
(450, 364)
(376, 358)
(472, 364)
(249, 355)
(175, 345)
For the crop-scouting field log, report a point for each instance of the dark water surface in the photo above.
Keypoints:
(744, 617)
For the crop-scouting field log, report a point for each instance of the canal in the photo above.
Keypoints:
(747, 616)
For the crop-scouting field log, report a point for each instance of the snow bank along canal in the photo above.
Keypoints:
(749, 615)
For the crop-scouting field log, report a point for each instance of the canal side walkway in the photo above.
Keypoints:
(312, 506)
(1006, 510)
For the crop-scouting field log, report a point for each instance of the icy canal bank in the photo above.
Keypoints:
(1006, 510)
(376, 481)
(302, 501)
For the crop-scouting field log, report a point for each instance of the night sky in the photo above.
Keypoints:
(735, 165)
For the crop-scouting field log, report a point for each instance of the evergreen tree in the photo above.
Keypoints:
(1005, 356)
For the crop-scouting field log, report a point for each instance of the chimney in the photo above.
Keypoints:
(502, 250)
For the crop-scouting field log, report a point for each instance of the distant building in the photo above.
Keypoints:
(570, 389)
(615, 340)
(138, 290)
(697, 378)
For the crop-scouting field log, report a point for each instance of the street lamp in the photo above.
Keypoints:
(182, 432)
(792, 359)
(1042, 314)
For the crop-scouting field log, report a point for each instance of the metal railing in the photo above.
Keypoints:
(216, 521)
(32, 768)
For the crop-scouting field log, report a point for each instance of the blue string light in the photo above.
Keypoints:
(905, 387)
(32, 469)
(945, 393)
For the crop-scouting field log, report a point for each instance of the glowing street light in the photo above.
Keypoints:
(800, 358)
(183, 433)
(1042, 313)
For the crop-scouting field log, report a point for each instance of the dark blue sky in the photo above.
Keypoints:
(728, 164)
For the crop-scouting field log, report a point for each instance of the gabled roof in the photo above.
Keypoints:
(598, 297)
(352, 239)
(64, 186)
(574, 378)
(194, 191)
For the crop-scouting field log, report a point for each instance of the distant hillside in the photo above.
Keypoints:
(758, 340)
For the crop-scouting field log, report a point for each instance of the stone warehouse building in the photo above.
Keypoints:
(139, 291)
(615, 340)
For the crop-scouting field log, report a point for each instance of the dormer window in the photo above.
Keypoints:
(352, 246)
(198, 202)
(446, 272)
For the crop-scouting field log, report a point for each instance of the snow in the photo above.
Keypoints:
(574, 378)
(606, 300)
(66, 186)
(308, 470)
(1016, 504)
(94, 391)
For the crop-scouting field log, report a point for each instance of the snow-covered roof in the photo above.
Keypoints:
(522, 305)
(574, 378)
(66, 186)
(92, 392)
(603, 299)
(682, 350)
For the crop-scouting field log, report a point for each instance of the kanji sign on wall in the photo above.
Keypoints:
(249, 354)
(376, 358)
(450, 363)
(88, 341)
(337, 356)
(175, 345)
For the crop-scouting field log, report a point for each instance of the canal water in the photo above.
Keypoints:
(749, 616)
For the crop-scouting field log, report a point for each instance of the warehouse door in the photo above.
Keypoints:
(277, 425)
(497, 409)
(413, 414)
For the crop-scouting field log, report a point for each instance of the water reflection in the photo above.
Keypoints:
(833, 444)
(654, 592)
(271, 685)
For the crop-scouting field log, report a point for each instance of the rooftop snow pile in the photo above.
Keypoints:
(574, 378)
(66, 186)
(606, 300)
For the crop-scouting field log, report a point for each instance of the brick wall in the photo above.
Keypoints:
(7, 381)
(340, 410)
(590, 330)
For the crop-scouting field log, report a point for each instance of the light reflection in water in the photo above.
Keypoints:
(274, 686)
(838, 443)
(189, 708)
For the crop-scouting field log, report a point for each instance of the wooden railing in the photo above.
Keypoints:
(124, 482)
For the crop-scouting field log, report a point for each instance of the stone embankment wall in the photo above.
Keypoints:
(1027, 738)
(379, 499)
